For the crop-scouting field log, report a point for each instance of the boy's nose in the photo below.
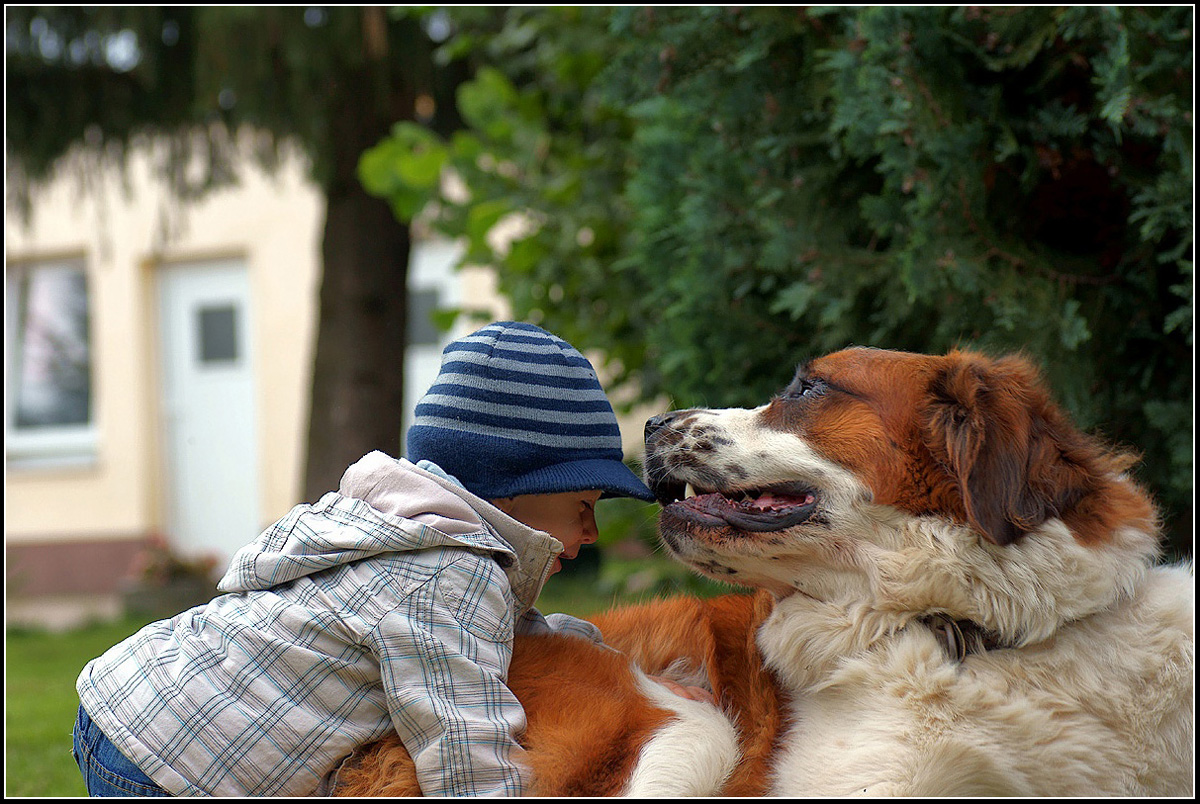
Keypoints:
(591, 531)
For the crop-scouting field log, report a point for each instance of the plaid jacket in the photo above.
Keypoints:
(390, 604)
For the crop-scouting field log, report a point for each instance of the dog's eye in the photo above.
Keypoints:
(805, 389)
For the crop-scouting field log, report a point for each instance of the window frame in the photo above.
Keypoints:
(52, 445)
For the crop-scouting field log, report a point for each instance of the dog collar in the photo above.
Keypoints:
(959, 638)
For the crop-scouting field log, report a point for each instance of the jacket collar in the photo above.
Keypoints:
(525, 554)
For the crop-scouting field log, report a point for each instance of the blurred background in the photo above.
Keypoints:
(237, 238)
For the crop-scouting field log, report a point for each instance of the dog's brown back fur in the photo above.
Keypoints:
(587, 720)
(586, 724)
(717, 637)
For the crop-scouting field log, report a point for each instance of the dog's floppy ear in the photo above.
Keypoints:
(981, 428)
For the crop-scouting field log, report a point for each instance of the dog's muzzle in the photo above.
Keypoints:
(689, 486)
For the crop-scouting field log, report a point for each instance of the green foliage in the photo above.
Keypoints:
(711, 194)
(106, 78)
(405, 169)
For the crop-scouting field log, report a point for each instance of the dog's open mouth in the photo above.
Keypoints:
(757, 510)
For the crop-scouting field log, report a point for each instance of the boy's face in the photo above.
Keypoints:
(569, 516)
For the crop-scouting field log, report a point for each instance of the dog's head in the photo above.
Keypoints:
(911, 482)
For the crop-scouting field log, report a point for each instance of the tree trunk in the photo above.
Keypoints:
(358, 371)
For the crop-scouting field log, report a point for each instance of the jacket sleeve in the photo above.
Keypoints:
(443, 662)
(534, 622)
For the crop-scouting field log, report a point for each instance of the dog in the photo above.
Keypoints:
(966, 596)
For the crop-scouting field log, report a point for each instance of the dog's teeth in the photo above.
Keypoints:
(688, 492)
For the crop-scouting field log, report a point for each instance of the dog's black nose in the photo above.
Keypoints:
(656, 423)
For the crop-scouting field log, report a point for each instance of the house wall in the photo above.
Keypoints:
(73, 527)
(273, 224)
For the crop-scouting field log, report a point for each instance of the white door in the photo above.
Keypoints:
(208, 404)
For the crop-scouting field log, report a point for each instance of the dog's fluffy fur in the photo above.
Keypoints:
(877, 490)
(880, 488)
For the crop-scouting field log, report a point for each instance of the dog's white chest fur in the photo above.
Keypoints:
(1053, 719)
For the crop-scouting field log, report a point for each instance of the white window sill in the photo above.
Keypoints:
(50, 451)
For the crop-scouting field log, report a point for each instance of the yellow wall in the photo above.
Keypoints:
(274, 225)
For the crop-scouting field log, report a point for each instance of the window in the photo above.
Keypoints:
(422, 304)
(218, 334)
(47, 362)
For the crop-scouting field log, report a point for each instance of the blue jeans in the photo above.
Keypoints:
(106, 771)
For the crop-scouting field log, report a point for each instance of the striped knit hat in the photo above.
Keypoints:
(516, 410)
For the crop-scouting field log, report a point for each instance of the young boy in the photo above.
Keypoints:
(389, 604)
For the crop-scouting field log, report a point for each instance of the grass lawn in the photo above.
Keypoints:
(41, 702)
(40, 705)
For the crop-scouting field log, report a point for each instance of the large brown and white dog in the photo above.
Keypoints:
(957, 597)
(966, 596)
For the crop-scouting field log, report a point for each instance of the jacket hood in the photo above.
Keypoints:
(387, 505)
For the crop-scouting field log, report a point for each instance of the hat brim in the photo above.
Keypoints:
(612, 477)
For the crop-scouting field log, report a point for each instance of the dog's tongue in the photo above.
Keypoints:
(771, 502)
(769, 511)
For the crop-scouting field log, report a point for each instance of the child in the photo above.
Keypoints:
(390, 604)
